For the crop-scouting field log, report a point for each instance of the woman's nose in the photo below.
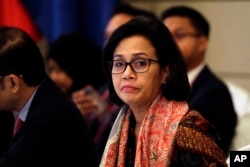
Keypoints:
(128, 73)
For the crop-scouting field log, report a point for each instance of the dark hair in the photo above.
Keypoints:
(198, 21)
(20, 55)
(177, 86)
(80, 58)
(131, 10)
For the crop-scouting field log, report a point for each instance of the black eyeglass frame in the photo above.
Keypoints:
(110, 63)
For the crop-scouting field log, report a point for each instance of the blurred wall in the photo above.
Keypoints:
(228, 53)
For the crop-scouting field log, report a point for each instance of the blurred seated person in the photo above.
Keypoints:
(122, 13)
(209, 95)
(74, 64)
(49, 128)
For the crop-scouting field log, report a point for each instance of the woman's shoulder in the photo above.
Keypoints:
(193, 122)
(196, 141)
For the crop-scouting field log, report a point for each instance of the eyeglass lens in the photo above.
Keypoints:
(138, 65)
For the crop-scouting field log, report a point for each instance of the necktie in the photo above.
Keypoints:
(17, 125)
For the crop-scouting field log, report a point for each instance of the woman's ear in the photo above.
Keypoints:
(14, 83)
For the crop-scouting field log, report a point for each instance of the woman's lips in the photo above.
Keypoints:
(128, 88)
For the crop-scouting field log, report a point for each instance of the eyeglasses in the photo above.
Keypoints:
(182, 35)
(137, 65)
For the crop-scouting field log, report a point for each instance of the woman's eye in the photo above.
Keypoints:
(119, 64)
(140, 62)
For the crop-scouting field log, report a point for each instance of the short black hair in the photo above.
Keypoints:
(80, 58)
(199, 22)
(20, 55)
(177, 86)
(131, 10)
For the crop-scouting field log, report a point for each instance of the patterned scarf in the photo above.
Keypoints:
(156, 136)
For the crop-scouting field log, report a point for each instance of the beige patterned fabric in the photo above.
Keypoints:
(155, 141)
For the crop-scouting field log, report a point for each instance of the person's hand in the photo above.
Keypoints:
(88, 101)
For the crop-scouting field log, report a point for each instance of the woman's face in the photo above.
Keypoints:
(59, 76)
(137, 89)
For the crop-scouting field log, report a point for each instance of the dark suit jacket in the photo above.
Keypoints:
(54, 134)
(6, 128)
(212, 99)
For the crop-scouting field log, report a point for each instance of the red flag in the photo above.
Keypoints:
(13, 13)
